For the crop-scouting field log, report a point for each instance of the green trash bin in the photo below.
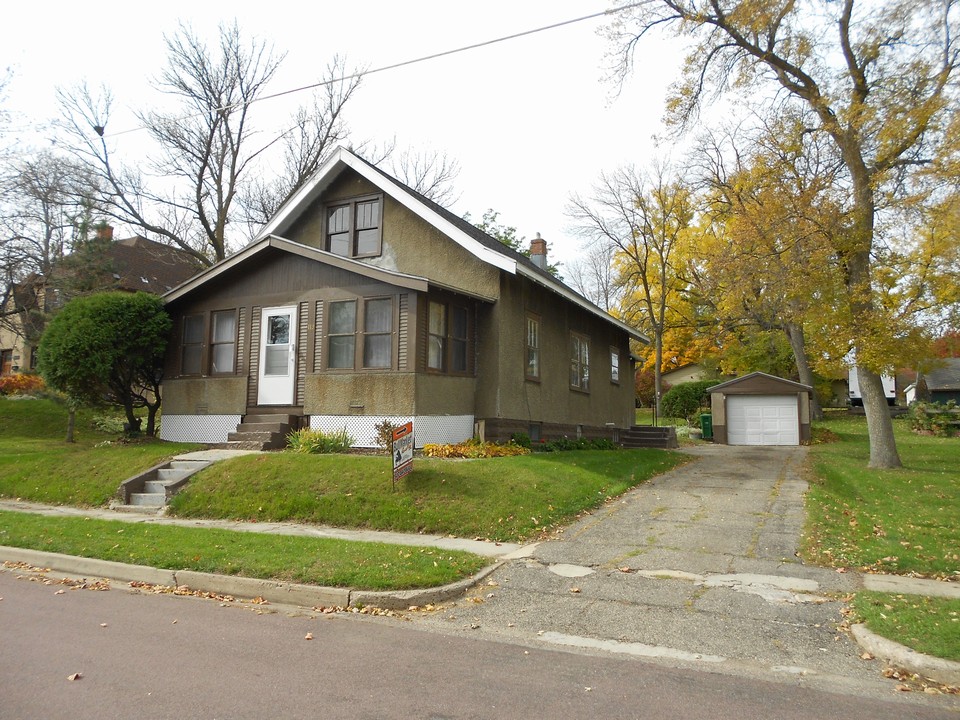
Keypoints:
(706, 426)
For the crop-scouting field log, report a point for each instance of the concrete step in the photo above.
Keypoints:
(154, 487)
(263, 437)
(147, 499)
(167, 475)
(290, 420)
(190, 465)
(277, 427)
(238, 445)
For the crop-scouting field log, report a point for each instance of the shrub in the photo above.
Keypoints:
(317, 442)
(21, 384)
(111, 424)
(521, 439)
(685, 399)
(935, 418)
(474, 449)
(383, 434)
(561, 444)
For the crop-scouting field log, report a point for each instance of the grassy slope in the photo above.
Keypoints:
(896, 521)
(499, 498)
(36, 464)
(319, 561)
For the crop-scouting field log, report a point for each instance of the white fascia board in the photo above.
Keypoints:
(320, 179)
(578, 299)
(400, 194)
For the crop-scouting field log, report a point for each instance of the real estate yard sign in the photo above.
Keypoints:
(402, 451)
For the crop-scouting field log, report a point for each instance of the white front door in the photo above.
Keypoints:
(278, 356)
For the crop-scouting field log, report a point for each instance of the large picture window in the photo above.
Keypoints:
(369, 347)
(579, 362)
(353, 228)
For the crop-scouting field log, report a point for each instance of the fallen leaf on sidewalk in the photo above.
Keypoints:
(308, 636)
(574, 589)
(866, 656)
(75, 676)
(626, 570)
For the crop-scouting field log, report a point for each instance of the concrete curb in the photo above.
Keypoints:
(900, 656)
(273, 591)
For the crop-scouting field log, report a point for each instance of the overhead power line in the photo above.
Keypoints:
(395, 66)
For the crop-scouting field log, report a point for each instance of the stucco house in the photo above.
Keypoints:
(363, 301)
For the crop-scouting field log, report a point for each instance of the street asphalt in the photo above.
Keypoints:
(697, 567)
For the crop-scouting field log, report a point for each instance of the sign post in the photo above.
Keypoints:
(402, 452)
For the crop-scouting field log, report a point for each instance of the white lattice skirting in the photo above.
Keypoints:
(427, 429)
(198, 428)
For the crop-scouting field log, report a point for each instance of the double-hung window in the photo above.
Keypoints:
(378, 333)
(448, 337)
(370, 347)
(614, 365)
(353, 227)
(579, 362)
(191, 356)
(342, 337)
(532, 365)
(223, 341)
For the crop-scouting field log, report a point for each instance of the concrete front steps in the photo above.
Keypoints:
(262, 431)
(149, 492)
(641, 436)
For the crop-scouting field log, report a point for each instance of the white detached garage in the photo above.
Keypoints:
(760, 409)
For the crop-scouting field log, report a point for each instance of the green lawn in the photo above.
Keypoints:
(895, 521)
(36, 464)
(892, 521)
(505, 499)
(315, 561)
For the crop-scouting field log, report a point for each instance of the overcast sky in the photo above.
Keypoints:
(531, 120)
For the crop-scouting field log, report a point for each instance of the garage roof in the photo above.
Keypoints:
(759, 383)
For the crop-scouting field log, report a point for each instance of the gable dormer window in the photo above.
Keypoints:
(353, 227)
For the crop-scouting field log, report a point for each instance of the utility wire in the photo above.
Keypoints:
(394, 66)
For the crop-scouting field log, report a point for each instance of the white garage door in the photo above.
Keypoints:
(763, 420)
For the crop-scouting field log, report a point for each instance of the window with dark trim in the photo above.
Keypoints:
(191, 357)
(614, 365)
(353, 227)
(579, 362)
(223, 341)
(448, 337)
(437, 336)
(532, 365)
(370, 347)
(341, 336)
(378, 333)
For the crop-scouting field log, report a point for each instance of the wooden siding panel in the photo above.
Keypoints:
(254, 385)
(302, 337)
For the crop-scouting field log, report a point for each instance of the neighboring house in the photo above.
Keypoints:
(943, 383)
(691, 372)
(130, 265)
(363, 301)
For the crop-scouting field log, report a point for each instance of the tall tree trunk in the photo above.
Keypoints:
(71, 423)
(658, 360)
(799, 346)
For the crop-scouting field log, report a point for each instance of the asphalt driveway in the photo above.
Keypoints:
(698, 566)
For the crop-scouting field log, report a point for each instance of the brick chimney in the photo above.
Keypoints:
(104, 232)
(538, 252)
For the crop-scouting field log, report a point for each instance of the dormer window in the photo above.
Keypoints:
(353, 227)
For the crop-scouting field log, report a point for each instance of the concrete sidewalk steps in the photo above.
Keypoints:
(150, 491)
(640, 436)
(261, 432)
